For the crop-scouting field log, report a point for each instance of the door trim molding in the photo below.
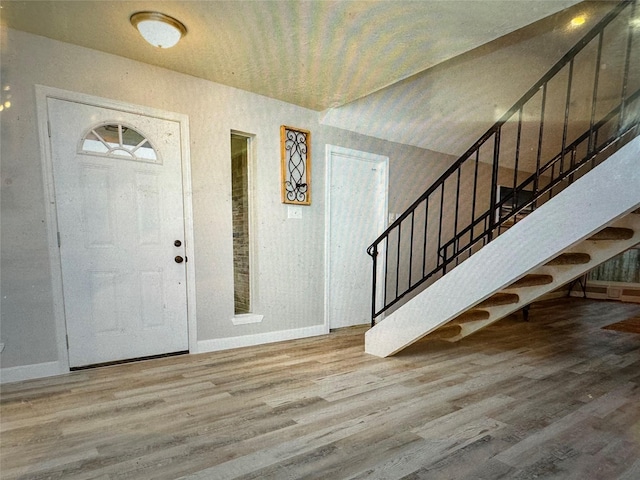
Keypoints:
(43, 93)
(381, 160)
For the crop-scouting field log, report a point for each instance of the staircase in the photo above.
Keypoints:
(451, 273)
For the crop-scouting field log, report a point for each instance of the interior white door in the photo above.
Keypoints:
(357, 200)
(121, 232)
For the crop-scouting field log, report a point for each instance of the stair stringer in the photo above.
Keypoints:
(599, 251)
(599, 198)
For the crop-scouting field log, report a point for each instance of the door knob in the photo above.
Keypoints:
(177, 243)
(179, 259)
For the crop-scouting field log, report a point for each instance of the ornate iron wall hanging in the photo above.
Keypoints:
(295, 145)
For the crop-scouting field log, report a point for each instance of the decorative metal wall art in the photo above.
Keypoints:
(295, 145)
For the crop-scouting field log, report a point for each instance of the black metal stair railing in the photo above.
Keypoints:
(582, 108)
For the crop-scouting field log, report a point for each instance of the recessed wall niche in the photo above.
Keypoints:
(240, 211)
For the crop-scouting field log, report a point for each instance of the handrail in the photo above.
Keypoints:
(444, 249)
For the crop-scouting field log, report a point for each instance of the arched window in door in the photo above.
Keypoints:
(119, 141)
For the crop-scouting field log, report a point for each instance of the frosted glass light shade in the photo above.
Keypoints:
(158, 29)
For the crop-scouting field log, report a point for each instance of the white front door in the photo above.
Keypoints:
(121, 227)
(357, 209)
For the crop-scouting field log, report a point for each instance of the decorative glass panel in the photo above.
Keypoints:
(117, 140)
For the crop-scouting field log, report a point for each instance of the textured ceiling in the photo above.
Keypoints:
(447, 107)
(316, 54)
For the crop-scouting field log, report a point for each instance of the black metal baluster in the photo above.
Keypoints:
(516, 164)
(594, 99)
(386, 270)
(595, 143)
(536, 182)
(398, 257)
(565, 128)
(413, 215)
(455, 221)
(475, 190)
(494, 183)
(374, 254)
(573, 164)
(440, 229)
(625, 76)
(426, 224)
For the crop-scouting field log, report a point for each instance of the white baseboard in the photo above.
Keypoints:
(29, 372)
(217, 344)
(606, 296)
(50, 369)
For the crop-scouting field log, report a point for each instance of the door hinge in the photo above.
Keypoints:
(58, 233)
(67, 338)
(49, 128)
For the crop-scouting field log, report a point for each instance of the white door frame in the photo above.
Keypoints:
(42, 94)
(381, 161)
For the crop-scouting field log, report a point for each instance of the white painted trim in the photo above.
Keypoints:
(327, 233)
(29, 372)
(609, 283)
(42, 94)
(55, 264)
(603, 296)
(247, 318)
(610, 286)
(189, 239)
(218, 344)
(382, 161)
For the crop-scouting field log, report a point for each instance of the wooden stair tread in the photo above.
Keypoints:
(499, 299)
(446, 331)
(532, 280)
(570, 259)
(473, 315)
(612, 233)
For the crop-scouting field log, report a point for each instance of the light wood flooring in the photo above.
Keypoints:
(555, 398)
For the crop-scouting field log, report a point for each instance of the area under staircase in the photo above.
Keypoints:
(465, 255)
(570, 264)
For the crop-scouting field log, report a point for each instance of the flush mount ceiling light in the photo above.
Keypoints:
(158, 29)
